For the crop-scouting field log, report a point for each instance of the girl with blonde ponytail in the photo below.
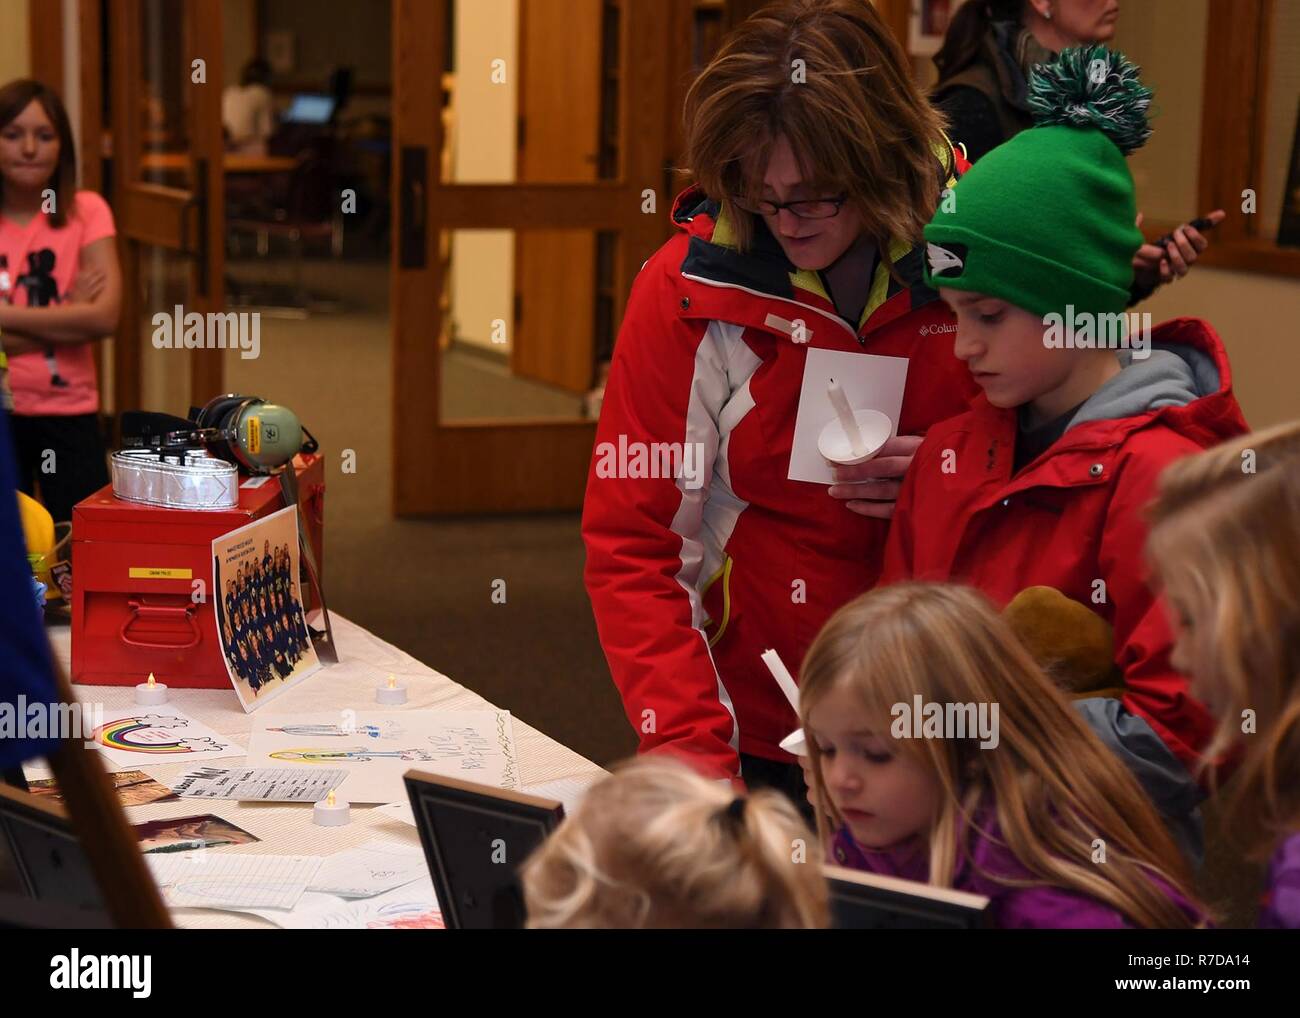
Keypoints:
(1226, 546)
(1030, 809)
(655, 845)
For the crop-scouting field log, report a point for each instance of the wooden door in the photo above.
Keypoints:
(559, 140)
(168, 195)
(487, 465)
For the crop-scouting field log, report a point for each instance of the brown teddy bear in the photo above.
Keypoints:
(1073, 644)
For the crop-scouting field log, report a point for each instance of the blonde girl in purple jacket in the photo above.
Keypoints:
(941, 753)
(1226, 545)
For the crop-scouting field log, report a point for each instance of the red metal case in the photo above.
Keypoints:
(133, 569)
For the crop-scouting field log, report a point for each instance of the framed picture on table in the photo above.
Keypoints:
(37, 843)
(872, 901)
(468, 830)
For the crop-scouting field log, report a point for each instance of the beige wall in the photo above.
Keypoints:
(1256, 316)
(483, 150)
(1166, 39)
(14, 59)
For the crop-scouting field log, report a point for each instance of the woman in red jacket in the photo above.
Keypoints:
(818, 162)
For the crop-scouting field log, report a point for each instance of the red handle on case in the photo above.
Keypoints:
(140, 610)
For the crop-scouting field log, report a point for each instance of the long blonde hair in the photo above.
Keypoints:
(1053, 784)
(859, 124)
(1225, 541)
(656, 845)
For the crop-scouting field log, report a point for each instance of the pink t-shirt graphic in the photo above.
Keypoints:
(43, 264)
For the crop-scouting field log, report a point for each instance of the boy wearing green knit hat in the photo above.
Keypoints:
(1044, 480)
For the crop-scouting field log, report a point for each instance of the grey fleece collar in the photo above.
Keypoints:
(1174, 374)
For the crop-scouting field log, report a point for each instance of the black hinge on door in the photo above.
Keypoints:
(519, 131)
(519, 308)
(414, 206)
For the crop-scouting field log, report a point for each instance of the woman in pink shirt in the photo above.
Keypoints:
(60, 290)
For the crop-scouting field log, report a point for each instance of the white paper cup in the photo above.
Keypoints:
(834, 444)
(795, 743)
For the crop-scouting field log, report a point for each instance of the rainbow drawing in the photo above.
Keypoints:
(148, 734)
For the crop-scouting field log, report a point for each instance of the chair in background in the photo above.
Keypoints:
(308, 212)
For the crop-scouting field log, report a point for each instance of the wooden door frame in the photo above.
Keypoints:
(502, 465)
(166, 216)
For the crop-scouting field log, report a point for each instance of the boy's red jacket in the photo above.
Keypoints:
(689, 585)
(1074, 518)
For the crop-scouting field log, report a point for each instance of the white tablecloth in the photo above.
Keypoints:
(287, 829)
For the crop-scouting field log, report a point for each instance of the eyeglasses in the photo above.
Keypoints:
(811, 208)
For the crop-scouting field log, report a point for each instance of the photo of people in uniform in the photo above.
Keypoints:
(264, 637)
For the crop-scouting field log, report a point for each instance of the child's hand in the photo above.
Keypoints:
(1154, 266)
(871, 488)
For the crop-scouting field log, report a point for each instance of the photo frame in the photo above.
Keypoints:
(467, 831)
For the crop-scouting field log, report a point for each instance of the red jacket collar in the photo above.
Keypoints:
(1207, 420)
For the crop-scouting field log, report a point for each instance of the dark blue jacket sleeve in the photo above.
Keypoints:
(26, 669)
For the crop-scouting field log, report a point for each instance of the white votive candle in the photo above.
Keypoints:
(331, 811)
(391, 692)
(151, 693)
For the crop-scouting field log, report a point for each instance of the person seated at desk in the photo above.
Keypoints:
(248, 109)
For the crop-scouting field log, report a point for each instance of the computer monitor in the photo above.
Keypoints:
(869, 901)
(51, 866)
(309, 108)
(475, 838)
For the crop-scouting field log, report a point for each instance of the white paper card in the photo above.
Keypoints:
(260, 784)
(569, 792)
(399, 811)
(377, 747)
(132, 737)
(870, 382)
(236, 882)
(412, 906)
(377, 866)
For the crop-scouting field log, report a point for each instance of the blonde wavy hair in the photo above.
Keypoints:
(1054, 786)
(656, 845)
(858, 124)
(1225, 542)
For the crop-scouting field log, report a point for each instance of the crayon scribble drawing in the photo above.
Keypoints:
(386, 730)
(358, 754)
(377, 748)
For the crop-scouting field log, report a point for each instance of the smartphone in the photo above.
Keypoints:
(1201, 224)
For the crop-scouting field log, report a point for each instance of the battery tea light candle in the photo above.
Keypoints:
(331, 811)
(151, 693)
(392, 692)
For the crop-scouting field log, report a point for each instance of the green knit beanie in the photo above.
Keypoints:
(1046, 220)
